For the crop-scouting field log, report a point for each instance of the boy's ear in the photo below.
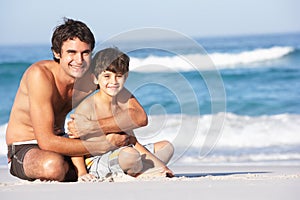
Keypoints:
(126, 75)
(94, 79)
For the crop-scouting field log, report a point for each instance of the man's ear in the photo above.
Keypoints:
(56, 55)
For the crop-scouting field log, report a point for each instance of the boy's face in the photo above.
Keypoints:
(111, 83)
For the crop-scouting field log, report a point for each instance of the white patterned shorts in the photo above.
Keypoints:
(101, 166)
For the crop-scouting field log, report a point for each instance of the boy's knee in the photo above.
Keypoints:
(129, 153)
(130, 160)
(165, 146)
(164, 150)
(170, 147)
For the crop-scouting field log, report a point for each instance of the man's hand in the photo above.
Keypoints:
(99, 145)
(80, 126)
(117, 139)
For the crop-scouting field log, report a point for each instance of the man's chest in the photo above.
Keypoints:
(62, 103)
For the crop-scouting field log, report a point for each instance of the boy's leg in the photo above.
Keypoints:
(130, 161)
(124, 159)
(163, 151)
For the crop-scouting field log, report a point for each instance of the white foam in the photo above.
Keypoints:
(257, 55)
(3, 147)
(207, 62)
(238, 131)
(242, 138)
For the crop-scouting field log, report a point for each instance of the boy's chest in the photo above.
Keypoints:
(107, 110)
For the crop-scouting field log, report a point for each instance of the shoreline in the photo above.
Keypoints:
(191, 182)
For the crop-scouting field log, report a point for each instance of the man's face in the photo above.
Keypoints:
(75, 57)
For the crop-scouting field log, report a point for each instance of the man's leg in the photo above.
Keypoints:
(45, 165)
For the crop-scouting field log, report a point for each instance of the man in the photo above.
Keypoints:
(47, 93)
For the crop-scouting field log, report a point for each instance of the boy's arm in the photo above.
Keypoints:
(79, 164)
(80, 167)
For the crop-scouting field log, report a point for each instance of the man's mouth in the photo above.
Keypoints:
(77, 67)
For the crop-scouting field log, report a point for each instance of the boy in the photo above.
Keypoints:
(111, 68)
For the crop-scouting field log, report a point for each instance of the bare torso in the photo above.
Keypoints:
(94, 107)
(20, 127)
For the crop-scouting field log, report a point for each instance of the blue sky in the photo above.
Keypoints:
(32, 21)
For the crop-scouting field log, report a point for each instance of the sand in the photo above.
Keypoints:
(191, 182)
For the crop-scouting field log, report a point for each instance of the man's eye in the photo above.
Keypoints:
(71, 52)
(86, 53)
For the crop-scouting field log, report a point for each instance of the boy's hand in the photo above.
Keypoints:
(87, 178)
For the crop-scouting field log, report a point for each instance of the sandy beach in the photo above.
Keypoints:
(191, 182)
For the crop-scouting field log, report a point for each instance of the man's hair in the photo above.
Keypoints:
(71, 29)
(110, 59)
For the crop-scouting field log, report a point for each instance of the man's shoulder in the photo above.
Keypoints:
(40, 72)
(86, 104)
(41, 67)
(124, 96)
(44, 64)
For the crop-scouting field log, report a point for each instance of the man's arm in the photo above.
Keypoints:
(132, 117)
(43, 117)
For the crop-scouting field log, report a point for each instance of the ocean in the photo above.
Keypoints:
(219, 100)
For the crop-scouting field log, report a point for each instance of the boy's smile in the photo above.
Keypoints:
(111, 83)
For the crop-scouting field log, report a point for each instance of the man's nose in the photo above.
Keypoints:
(79, 58)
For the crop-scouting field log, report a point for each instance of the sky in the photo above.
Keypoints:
(33, 21)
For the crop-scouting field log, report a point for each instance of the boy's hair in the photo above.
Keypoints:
(110, 59)
(71, 29)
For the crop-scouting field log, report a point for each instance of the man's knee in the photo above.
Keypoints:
(39, 164)
(55, 168)
(130, 161)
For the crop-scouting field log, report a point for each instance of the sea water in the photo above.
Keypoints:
(243, 107)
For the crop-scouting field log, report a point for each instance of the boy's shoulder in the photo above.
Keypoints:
(86, 105)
